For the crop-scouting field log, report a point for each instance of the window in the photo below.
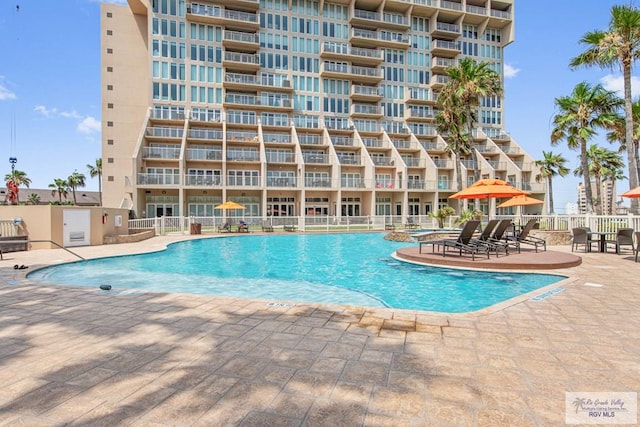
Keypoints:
(109, 50)
(109, 159)
(109, 69)
(109, 105)
(109, 32)
(109, 141)
(110, 178)
(109, 87)
(110, 124)
(109, 15)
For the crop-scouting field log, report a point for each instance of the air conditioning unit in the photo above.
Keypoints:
(286, 83)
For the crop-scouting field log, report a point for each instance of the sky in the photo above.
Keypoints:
(50, 83)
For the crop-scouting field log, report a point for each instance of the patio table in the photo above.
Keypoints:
(603, 238)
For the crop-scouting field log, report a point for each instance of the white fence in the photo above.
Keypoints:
(177, 224)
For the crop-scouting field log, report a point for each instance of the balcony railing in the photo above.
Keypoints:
(446, 44)
(170, 113)
(366, 90)
(204, 154)
(502, 14)
(164, 132)
(450, 5)
(317, 183)
(280, 157)
(217, 12)
(477, 10)
(202, 181)
(240, 36)
(382, 160)
(445, 26)
(343, 141)
(238, 136)
(443, 163)
(348, 159)
(310, 139)
(205, 134)
(161, 152)
(246, 58)
(158, 179)
(366, 109)
(288, 181)
(412, 161)
(281, 138)
(372, 142)
(315, 158)
(243, 155)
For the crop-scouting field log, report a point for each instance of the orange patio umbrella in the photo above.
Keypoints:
(633, 193)
(488, 189)
(520, 201)
(229, 205)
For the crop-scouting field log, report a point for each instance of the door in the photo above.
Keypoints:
(76, 228)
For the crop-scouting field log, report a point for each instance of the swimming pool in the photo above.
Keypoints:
(351, 268)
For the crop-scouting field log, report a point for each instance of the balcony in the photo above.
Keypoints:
(276, 138)
(161, 153)
(475, 14)
(360, 74)
(161, 132)
(413, 162)
(358, 55)
(240, 4)
(389, 184)
(375, 39)
(243, 155)
(241, 61)
(254, 102)
(433, 146)
(419, 95)
(447, 185)
(244, 137)
(445, 4)
(288, 181)
(227, 18)
(310, 139)
(317, 183)
(365, 93)
(349, 182)
(261, 81)
(167, 114)
(280, 157)
(349, 159)
(206, 115)
(372, 142)
(205, 134)
(418, 114)
(394, 21)
(366, 111)
(443, 163)
(241, 40)
(441, 64)
(445, 48)
(439, 80)
(446, 29)
(382, 160)
(158, 179)
(316, 158)
(497, 165)
(468, 164)
(202, 181)
(424, 7)
(342, 141)
(203, 153)
(402, 144)
(396, 128)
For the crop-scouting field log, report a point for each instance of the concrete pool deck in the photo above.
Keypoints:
(78, 356)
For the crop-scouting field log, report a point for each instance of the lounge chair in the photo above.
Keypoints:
(485, 238)
(267, 227)
(462, 243)
(411, 225)
(624, 237)
(523, 237)
(224, 228)
(580, 236)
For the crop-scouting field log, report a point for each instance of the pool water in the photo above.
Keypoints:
(352, 269)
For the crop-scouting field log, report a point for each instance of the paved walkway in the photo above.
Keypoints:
(81, 357)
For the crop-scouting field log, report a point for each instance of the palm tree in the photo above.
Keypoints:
(601, 164)
(551, 165)
(618, 134)
(470, 81)
(33, 199)
(618, 46)
(75, 180)
(96, 170)
(60, 186)
(450, 122)
(579, 115)
(19, 178)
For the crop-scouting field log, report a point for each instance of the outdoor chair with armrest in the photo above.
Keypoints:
(580, 236)
(498, 237)
(464, 242)
(523, 237)
(624, 237)
(485, 238)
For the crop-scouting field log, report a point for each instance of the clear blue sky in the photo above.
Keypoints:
(50, 82)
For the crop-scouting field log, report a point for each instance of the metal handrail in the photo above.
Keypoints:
(42, 241)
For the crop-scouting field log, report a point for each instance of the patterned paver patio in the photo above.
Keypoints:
(80, 357)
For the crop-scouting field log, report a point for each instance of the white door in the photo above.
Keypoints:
(76, 230)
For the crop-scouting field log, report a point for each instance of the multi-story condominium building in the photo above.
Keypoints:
(295, 107)
(608, 194)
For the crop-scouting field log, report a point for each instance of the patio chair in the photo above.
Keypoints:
(624, 237)
(498, 235)
(267, 227)
(463, 242)
(485, 238)
(523, 237)
(224, 228)
(410, 224)
(580, 236)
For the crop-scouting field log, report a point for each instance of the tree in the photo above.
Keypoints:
(470, 81)
(551, 165)
(618, 134)
(76, 180)
(33, 199)
(450, 122)
(442, 214)
(96, 171)
(578, 117)
(60, 186)
(19, 178)
(601, 163)
(618, 46)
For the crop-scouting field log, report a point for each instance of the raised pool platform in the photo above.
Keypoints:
(527, 259)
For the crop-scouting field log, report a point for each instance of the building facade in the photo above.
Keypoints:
(607, 204)
(295, 107)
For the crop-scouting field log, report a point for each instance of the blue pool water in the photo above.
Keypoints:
(353, 269)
